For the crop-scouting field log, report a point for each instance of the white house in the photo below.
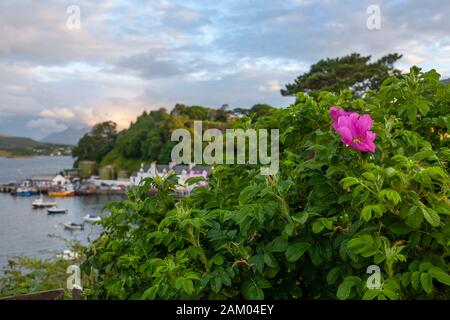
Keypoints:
(59, 180)
(42, 181)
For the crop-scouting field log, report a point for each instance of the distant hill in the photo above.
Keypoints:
(12, 147)
(446, 81)
(70, 136)
(7, 142)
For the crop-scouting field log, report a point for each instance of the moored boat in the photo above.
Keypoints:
(23, 192)
(40, 203)
(56, 210)
(62, 193)
(66, 191)
(73, 226)
(91, 218)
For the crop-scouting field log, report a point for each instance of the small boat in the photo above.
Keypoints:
(40, 203)
(91, 218)
(63, 193)
(23, 192)
(73, 226)
(56, 210)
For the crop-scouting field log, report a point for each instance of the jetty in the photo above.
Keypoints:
(8, 188)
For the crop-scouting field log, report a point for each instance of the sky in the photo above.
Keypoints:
(123, 57)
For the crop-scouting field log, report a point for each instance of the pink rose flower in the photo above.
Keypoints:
(335, 113)
(354, 129)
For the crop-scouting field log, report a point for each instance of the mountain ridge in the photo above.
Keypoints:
(69, 136)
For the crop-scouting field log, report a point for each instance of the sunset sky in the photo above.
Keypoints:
(130, 56)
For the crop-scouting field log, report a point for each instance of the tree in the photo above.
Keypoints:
(262, 109)
(353, 72)
(221, 114)
(97, 143)
(193, 112)
(142, 139)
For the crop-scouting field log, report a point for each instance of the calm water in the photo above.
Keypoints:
(23, 168)
(28, 231)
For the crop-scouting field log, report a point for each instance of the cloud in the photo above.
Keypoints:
(62, 113)
(136, 55)
(46, 125)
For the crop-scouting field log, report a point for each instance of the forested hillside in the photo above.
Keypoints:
(148, 138)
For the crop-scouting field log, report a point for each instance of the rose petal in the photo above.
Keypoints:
(346, 135)
(364, 123)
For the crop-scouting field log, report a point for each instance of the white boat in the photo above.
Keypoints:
(56, 210)
(40, 203)
(91, 218)
(73, 226)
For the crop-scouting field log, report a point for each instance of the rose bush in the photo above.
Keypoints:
(379, 196)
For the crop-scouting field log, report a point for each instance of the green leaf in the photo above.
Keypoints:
(345, 288)
(366, 213)
(390, 195)
(399, 228)
(415, 218)
(216, 284)
(188, 286)
(348, 182)
(365, 245)
(369, 176)
(258, 261)
(423, 107)
(270, 260)
(289, 229)
(179, 283)
(150, 293)
(317, 227)
(333, 274)
(301, 217)
(431, 216)
(424, 154)
(296, 250)
(371, 294)
(425, 266)
(278, 245)
(226, 280)
(392, 295)
(411, 112)
(415, 279)
(440, 275)
(251, 290)
(427, 282)
(218, 260)
(264, 284)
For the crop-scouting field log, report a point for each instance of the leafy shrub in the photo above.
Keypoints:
(25, 275)
(310, 232)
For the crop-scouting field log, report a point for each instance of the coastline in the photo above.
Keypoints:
(13, 155)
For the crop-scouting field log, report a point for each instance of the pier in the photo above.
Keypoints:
(8, 188)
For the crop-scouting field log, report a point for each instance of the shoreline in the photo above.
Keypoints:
(12, 155)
